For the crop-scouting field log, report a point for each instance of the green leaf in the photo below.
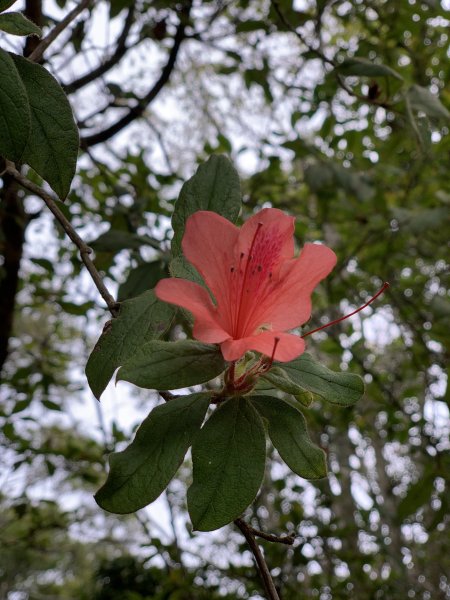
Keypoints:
(343, 389)
(418, 494)
(140, 320)
(171, 365)
(215, 186)
(16, 24)
(180, 267)
(421, 99)
(52, 147)
(228, 457)
(4, 4)
(365, 68)
(15, 114)
(141, 279)
(287, 430)
(281, 380)
(140, 473)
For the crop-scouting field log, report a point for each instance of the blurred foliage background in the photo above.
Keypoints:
(334, 111)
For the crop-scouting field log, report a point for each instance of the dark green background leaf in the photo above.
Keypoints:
(171, 365)
(215, 186)
(338, 388)
(287, 430)
(4, 4)
(140, 320)
(364, 67)
(228, 458)
(52, 148)
(15, 115)
(142, 471)
(16, 24)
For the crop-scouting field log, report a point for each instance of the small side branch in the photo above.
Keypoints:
(261, 564)
(85, 250)
(38, 52)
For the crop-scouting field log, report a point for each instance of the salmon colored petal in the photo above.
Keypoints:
(195, 299)
(209, 243)
(288, 347)
(289, 303)
(275, 237)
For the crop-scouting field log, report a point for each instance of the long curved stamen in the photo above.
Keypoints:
(385, 286)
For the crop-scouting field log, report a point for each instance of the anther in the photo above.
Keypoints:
(232, 269)
(259, 268)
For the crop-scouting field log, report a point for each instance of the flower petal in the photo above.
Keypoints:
(289, 304)
(209, 243)
(288, 347)
(196, 299)
(276, 233)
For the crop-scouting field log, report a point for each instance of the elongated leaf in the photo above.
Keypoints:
(140, 279)
(52, 147)
(228, 458)
(4, 4)
(338, 388)
(363, 67)
(215, 186)
(140, 320)
(16, 24)
(15, 114)
(287, 430)
(418, 494)
(171, 365)
(140, 473)
(421, 98)
(281, 380)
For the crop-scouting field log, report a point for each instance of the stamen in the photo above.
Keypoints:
(275, 344)
(385, 286)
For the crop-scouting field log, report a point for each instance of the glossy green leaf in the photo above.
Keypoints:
(171, 365)
(366, 68)
(52, 147)
(215, 186)
(281, 380)
(338, 388)
(288, 432)
(421, 99)
(228, 457)
(140, 320)
(15, 114)
(16, 24)
(140, 473)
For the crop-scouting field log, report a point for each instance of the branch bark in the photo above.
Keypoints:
(139, 109)
(121, 49)
(261, 564)
(38, 52)
(85, 250)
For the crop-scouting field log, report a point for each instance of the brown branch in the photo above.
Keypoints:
(138, 110)
(121, 49)
(288, 540)
(85, 250)
(38, 52)
(261, 564)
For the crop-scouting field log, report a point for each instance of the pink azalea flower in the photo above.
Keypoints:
(260, 289)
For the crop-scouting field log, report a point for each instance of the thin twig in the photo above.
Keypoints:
(261, 564)
(38, 52)
(85, 250)
(288, 540)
